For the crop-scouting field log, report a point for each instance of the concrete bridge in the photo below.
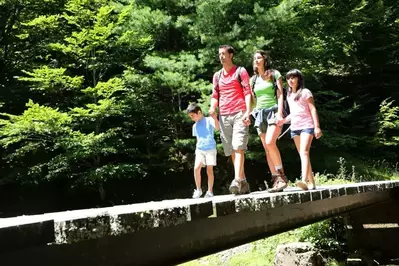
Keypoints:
(174, 231)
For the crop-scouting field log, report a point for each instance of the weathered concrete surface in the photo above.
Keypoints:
(167, 232)
(298, 254)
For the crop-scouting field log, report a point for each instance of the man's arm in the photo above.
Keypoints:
(246, 88)
(216, 121)
(215, 94)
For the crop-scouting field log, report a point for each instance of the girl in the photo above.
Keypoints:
(304, 123)
(267, 88)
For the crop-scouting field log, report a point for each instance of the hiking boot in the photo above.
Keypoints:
(239, 187)
(279, 182)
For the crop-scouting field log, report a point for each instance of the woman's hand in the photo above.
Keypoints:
(280, 120)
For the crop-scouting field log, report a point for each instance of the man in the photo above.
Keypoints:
(232, 96)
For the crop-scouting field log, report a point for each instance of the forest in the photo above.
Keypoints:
(93, 93)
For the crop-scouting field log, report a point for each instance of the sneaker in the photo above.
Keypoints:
(208, 194)
(197, 193)
(302, 185)
(280, 182)
(239, 187)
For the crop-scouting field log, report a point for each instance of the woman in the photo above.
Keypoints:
(304, 124)
(267, 87)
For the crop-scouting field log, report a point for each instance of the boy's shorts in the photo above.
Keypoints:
(233, 133)
(205, 157)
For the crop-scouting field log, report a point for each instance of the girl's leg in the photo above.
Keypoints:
(310, 176)
(269, 161)
(297, 141)
(211, 178)
(305, 140)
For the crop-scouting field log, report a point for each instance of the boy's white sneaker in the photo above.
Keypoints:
(197, 193)
(208, 194)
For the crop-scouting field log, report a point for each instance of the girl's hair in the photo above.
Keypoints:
(301, 82)
(266, 65)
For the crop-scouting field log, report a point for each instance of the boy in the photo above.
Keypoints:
(205, 152)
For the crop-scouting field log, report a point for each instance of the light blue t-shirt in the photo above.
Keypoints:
(204, 131)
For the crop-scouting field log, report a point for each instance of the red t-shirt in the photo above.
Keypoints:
(232, 93)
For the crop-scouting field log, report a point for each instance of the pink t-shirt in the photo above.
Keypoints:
(231, 94)
(301, 118)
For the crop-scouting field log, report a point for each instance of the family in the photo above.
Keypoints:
(238, 97)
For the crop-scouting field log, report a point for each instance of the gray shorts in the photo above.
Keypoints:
(233, 133)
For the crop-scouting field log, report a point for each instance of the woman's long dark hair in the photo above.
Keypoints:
(267, 67)
(301, 82)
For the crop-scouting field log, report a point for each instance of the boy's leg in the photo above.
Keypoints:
(210, 163)
(211, 177)
(199, 162)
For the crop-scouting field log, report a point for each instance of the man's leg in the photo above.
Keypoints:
(242, 173)
(226, 134)
(239, 144)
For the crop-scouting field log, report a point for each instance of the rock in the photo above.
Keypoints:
(298, 254)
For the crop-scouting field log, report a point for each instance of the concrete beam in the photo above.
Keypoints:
(173, 231)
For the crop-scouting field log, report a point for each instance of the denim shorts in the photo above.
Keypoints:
(299, 131)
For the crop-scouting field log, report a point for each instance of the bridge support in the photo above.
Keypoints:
(174, 231)
(374, 234)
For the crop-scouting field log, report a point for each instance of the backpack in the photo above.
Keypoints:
(286, 108)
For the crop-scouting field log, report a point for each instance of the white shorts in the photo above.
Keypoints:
(205, 157)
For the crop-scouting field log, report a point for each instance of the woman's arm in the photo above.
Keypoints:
(280, 97)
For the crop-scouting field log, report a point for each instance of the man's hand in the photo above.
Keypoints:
(245, 119)
(317, 132)
(212, 111)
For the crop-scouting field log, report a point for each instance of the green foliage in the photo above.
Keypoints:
(387, 121)
(50, 80)
(107, 83)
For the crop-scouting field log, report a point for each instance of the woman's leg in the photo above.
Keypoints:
(272, 134)
(279, 180)
(269, 160)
